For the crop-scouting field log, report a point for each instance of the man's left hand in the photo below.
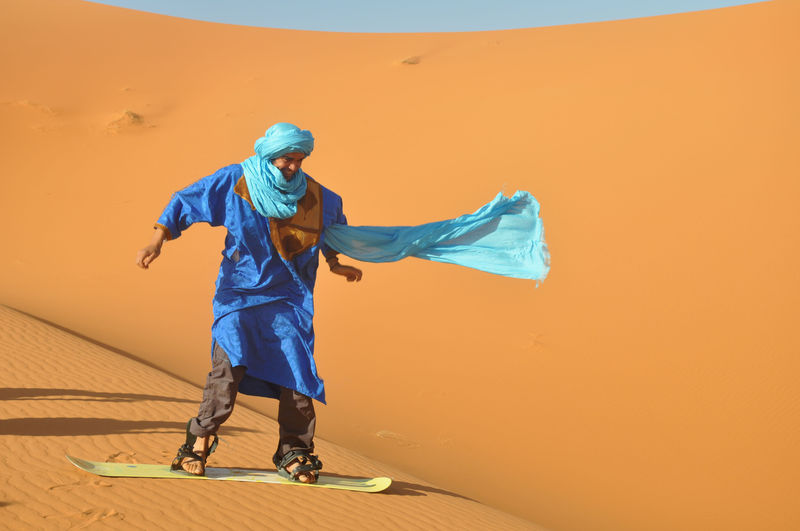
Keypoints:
(353, 274)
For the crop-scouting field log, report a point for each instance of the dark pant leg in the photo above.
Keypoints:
(219, 394)
(297, 421)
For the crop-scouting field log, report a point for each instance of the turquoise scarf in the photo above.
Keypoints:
(504, 237)
(272, 195)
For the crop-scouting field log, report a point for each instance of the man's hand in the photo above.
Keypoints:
(147, 254)
(353, 274)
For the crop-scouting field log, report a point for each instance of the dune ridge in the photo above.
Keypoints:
(62, 394)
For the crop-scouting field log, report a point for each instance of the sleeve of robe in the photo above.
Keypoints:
(202, 202)
(340, 219)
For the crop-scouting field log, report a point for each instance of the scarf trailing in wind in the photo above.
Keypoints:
(504, 237)
(272, 195)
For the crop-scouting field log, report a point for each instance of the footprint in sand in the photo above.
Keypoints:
(398, 439)
(92, 482)
(122, 457)
(27, 104)
(89, 516)
(45, 117)
(127, 120)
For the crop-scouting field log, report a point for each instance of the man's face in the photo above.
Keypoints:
(289, 164)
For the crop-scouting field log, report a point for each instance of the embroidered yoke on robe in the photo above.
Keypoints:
(263, 305)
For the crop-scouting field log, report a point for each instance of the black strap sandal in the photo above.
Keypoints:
(307, 463)
(187, 450)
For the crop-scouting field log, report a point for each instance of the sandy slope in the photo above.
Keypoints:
(62, 394)
(649, 383)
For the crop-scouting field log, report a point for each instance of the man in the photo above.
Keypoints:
(262, 336)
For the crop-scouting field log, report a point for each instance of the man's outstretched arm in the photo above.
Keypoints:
(201, 202)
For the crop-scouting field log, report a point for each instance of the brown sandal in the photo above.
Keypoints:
(187, 451)
(306, 463)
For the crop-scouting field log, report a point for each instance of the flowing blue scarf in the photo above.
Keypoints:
(272, 195)
(504, 237)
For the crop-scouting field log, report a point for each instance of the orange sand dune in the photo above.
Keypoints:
(61, 394)
(649, 383)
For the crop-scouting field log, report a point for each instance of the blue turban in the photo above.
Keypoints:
(272, 195)
(283, 138)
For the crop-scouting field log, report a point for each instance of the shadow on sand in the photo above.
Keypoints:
(33, 393)
(397, 488)
(403, 488)
(65, 426)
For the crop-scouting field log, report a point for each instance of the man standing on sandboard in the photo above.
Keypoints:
(262, 336)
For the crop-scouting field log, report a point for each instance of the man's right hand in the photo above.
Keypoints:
(147, 254)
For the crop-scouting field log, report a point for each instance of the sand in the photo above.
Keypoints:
(648, 383)
(90, 401)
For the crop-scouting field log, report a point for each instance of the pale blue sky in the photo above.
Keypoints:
(382, 16)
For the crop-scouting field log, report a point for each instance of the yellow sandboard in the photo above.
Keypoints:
(127, 470)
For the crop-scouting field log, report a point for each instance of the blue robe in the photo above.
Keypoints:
(264, 301)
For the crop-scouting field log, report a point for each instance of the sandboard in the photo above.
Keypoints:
(127, 470)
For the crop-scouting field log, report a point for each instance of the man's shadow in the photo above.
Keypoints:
(38, 393)
(76, 426)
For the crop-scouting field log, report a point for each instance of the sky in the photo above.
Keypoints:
(408, 16)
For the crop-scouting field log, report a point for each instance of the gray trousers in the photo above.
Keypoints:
(296, 417)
